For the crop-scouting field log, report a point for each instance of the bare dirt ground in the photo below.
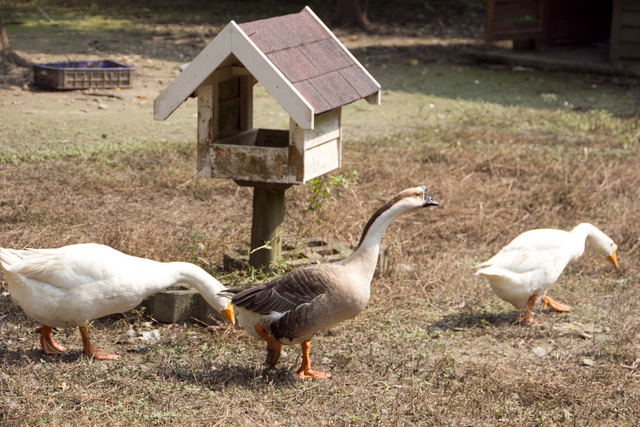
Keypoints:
(434, 346)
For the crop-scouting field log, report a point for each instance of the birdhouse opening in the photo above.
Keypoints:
(231, 147)
(235, 117)
(238, 150)
(230, 105)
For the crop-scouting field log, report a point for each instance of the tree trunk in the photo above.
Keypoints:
(7, 55)
(351, 13)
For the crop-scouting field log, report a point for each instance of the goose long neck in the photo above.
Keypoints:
(375, 228)
(366, 254)
(596, 239)
(580, 235)
(202, 281)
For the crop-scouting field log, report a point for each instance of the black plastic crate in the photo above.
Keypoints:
(83, 74)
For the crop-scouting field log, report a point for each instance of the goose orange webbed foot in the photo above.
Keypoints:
(89, 350)
(527, 317)
(557, 306)
(308, 373)
(49, 345)
(102, 355)
(305, 370)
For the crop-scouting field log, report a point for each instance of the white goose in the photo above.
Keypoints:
(527, 267)
(292, 308)
(74, 284)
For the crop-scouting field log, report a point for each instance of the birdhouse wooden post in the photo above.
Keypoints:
(306, 69)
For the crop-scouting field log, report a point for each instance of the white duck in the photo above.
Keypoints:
(526, 268)
(72, 285)
(292, 308)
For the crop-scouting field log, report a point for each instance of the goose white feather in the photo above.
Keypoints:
(72, 285)
(526, 268)
(292, 308)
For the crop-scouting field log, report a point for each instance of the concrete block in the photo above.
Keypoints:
(171, 305)
(180, 305)
(205, 313)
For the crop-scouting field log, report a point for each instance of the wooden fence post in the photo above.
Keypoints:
(266, 227)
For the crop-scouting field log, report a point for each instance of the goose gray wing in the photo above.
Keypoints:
(283, 294)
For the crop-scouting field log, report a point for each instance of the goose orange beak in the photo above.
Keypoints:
(613, 259)
(229, 314)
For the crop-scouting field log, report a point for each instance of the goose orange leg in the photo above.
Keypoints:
(305, 369)
(557, 306)
(526, 317)
(49, 346)
(87, 347)
(273, 345)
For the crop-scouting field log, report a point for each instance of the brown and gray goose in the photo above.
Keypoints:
(292, 308)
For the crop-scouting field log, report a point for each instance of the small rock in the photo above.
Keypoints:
(404, 268)
(539, 351)
(588, 362)
(103, 106)
(575, 329)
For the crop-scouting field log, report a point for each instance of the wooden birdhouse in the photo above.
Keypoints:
(304, 67)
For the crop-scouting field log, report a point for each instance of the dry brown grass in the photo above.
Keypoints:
(434, 347)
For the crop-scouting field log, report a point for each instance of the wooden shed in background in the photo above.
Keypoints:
(306, 69)
(542, 23)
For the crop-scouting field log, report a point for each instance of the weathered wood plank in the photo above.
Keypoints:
(629, 50)
(266, 228)
(514, 20)
(327, 127)
(630, 35)
(250, 163)
(322, 159)
(630, 18)
(614, 43)
(630, 5)
(205, 129)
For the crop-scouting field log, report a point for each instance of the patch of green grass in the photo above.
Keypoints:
(124, 153)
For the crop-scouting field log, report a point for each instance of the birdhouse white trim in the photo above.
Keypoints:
(303, 66)
(233, 41)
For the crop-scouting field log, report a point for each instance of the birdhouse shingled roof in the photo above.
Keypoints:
(293, 56)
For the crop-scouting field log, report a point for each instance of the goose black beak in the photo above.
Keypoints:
(428, 200)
